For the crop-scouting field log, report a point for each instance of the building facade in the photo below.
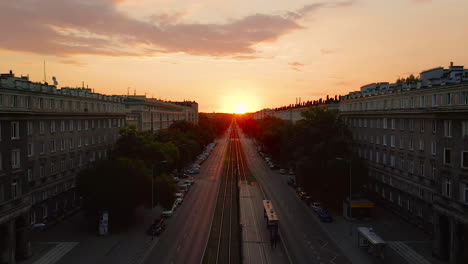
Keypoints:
(46, 136)
(148, 114)
(414, 138)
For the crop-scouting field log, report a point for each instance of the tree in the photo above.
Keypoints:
(119, 186)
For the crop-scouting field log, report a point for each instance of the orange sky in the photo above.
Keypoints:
(224, 54)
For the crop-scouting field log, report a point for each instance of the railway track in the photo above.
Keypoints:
(224, 243)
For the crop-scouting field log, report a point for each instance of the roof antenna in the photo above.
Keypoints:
(45, 79)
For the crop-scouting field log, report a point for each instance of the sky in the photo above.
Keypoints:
(230, 55)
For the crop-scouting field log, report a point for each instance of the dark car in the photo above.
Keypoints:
(157, 227)
(324, 216)
(302, 195)
(307, 199)
(291, 181)
(299, 189)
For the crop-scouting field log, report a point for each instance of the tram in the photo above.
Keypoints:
(272, 220)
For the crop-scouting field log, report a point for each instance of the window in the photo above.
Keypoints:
(464, 128)
(402, 124)
(411, 166)
(378, 122)
(392, 141)
(399, 200)
(30, 149)
(447, 128)
(62, 144)
(30, 128)
(434, 126)
(52, 146)
(377, 157)
(86, 125)
(71, 143)
(44, 211)
(99, 123)
(464, 193)
(447, 188)
(449, 98)
(464, 159)
(464, 98)
(377, 140)
(434, 171)
(402, 163)
(52, 126)
(390, 196)
(401, 143)
(92, 124)
(411, 125)
(79, 141)
(52, 166)
(384, 123)
(70, 125)
(392, 161)
(410, 145)
(433, 147)
(41, 171)
(422, 101)
(79, 125)
(421, 144)
(41, 127)
(421, 168)
(15, 192)
(422, 123)
(434, 100)
(29, 174)
(447, 156)
(32, 217)
(15, 158)
(384, 140)
(384, 158)
(15, 130)
(393, 123)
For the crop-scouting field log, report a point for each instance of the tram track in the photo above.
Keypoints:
(225, 238)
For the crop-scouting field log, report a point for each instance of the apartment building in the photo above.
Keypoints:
(148, 114)
(414, 138)
(46, 136)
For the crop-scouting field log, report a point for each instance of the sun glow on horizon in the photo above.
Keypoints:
(240, 108)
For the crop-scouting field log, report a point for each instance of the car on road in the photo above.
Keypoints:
(168, 212)
(316, 206)
(324, 216)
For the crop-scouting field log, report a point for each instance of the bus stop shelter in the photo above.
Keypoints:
(369, 240)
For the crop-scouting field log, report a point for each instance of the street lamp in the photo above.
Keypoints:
(350, 177)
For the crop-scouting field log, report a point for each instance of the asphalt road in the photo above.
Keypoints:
(303, 237)
(187, 231)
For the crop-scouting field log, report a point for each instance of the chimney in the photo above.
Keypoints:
(451, 64)
(11, 72)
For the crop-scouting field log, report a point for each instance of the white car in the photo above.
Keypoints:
(167, 213)
(179, 201)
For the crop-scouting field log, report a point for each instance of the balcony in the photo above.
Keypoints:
(14, 208)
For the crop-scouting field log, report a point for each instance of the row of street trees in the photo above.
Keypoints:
(123, 181)
(318, 147)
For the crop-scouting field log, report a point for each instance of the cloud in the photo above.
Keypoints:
(296, 65)
(308, 9)
(421, 1)
(72, 27)
(327, 51)
(73, 62)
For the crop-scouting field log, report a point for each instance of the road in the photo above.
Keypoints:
(303, 237)
(187, 231)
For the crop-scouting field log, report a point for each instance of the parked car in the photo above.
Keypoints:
(298, 190)
(316, 206)
(302, 195)
(282, 171)
(291, 181)
(168, 212)
(324, 216)
(307, 199)
(179, 201)
(157, 227)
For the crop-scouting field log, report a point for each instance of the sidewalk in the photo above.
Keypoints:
(405, 242)
(71, 242)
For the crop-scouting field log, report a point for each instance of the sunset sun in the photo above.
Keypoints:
(240, 108)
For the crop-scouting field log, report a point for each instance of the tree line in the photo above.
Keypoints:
(318, 148)
(123, 180)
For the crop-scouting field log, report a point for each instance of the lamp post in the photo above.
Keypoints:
(348, 161)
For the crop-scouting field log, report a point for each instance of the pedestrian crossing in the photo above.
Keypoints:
(407, 253)
(56, 253)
